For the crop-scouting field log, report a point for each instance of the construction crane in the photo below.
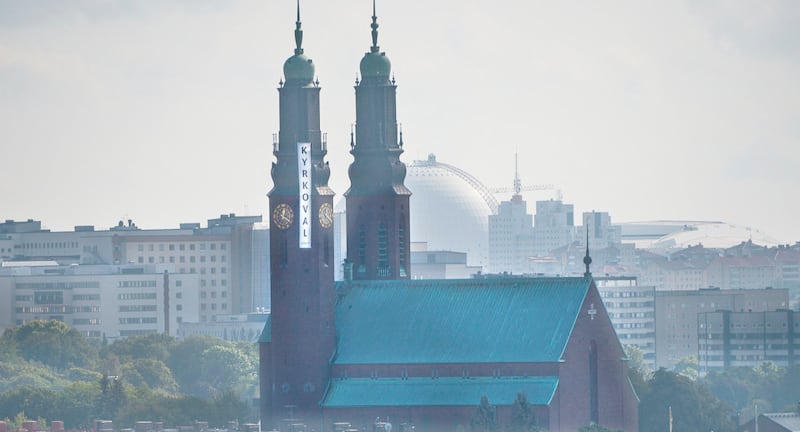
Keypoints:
(518, 188)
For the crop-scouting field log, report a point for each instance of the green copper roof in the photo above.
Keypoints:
(375, 64)
(266, 333)
(298, 68)
(455, 321)
(366, 392)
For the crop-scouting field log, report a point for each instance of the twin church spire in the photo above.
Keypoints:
(378, 240)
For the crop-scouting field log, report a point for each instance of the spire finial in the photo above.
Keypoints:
(298, 33)
(587, 259)
(375, 48)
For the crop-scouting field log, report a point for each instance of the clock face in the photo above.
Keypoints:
(282, 216)
(326, 215)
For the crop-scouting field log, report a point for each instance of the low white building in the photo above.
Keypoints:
(235, 328)
(100, 301)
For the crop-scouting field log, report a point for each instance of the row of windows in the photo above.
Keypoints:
(222, 294)
(79, 297)
(182, 259)
(91, 333)
(625, 294)
(136, 296)
(636, 325)
(137, 284)
(214, 306)
(49, 297)
(745, 325)
(647, 304)
(126, 333)
(58, 285)
(138, 320)
(182, 246)
(50, 245)
(631, 315)
(60, 309)
(637, 336)
(86, 321)
(137, 308)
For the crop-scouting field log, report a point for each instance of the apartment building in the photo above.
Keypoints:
(100, 301)
(676, 314)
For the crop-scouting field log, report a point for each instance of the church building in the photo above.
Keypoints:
(380, 346)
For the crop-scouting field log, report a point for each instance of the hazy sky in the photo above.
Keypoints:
(163, 111)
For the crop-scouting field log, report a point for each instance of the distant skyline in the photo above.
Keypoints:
(163, 112)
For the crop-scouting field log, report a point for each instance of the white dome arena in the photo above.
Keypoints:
(715, 235)
(450, 209)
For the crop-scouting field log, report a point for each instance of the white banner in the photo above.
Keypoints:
(304, 176)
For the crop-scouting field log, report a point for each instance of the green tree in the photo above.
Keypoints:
(184, 364)
(152, 346)
(149, 372)
(32, 402)
(638, 371)
(523, 418)
(729, 386)
(112, 396)
(52, 343)
(787, 392)
(688, 367)
(17, 421)
(225, 367)
(484, 419)
(694, 408)
(78, 405)
(21, 373)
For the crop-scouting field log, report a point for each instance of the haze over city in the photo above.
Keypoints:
(163, 112)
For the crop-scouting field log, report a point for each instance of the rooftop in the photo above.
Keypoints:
(457, 321)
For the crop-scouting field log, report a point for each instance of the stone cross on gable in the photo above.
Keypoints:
(592, 311)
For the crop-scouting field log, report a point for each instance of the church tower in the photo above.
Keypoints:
(299, 340)
(377, 201)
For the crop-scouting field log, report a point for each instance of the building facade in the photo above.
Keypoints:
(378, 214)
(220, 254)
(421, 352)
(553, 226)
(511, 242)
(438, 264)
(747, 339)
(235, 328)
(677, 316)
(102, 302)
(631, 308)
(298, 339)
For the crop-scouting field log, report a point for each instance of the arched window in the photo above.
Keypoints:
(383, 246)
(594, 415)
(401, 244)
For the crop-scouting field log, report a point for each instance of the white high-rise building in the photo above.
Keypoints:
(553, 226)
(631, 308)
(602, 234)
(511, 238)
(511, 233)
